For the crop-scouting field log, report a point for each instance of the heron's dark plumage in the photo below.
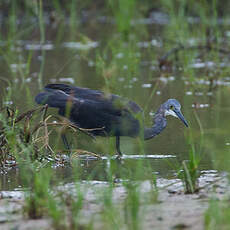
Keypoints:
(109, 115)
(105, 114)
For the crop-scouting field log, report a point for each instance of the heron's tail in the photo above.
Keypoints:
(54, 98)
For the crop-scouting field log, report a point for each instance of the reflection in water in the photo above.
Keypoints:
(38, 46)
(80, 45)
(92, 169)
(141, 157)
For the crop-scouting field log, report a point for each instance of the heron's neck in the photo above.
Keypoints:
(160, 123)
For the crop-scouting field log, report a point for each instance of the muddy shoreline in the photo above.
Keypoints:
(171, 210)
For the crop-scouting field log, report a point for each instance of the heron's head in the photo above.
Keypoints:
(172, 107)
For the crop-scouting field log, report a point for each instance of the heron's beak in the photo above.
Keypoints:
(181, 117)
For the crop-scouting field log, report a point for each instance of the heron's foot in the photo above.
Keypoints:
(119, 160)
(118, 157)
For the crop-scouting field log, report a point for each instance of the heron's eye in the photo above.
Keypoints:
(171, 107)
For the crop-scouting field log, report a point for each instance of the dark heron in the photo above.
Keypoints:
(106, 114)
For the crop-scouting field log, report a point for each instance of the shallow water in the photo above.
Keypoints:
(72, 59)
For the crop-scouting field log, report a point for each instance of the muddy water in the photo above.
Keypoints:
(66, 58)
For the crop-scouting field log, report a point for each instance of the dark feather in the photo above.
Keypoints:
(93, 109)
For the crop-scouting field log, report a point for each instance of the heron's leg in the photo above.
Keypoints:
(118, 146)
(65, 141)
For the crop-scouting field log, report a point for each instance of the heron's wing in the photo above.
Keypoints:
(112, 114)
(109, 103)
(77, 92)
(57, 99)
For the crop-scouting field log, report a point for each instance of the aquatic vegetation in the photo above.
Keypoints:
(24, 139)
(190, 174)
(37, 198)
(190, 171)
(217, 214)
(132, 206)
